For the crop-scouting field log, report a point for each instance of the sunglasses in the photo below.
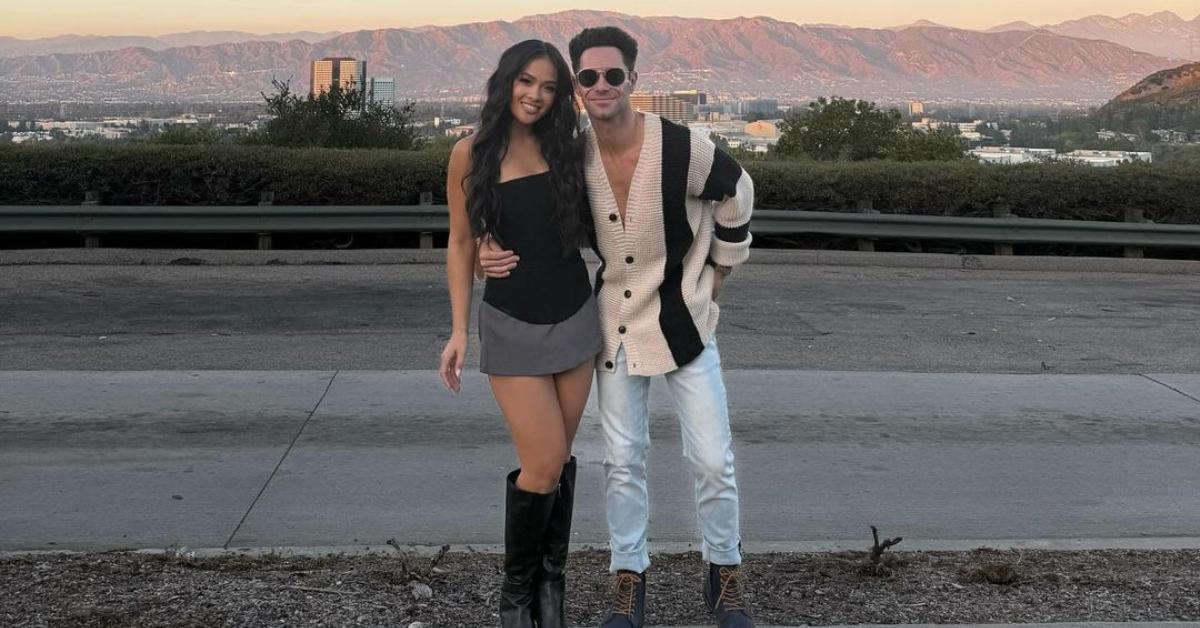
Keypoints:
(615, 77)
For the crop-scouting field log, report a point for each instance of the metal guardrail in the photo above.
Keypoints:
(97, 219)
(1001, 229)
(93, 220)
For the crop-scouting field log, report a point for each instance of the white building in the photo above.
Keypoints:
(1010, 155)
(968, 130)
(461, 130)
(1107, 158)
(1013, 155)
(730, 126)
(28, 136)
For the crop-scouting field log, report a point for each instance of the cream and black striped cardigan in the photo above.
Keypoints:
(689, 208)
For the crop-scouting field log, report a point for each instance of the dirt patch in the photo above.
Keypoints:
(121, 589)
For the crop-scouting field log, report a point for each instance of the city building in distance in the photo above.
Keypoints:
(347, 73)
(692, 97)
(667, 106)
(382, 91)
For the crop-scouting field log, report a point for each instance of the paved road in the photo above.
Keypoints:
(314, 458)
(328, 317)
(293, 405)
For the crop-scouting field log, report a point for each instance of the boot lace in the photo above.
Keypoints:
(625, 585)
(733, 589)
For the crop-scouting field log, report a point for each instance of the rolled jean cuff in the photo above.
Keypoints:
(722, 556)
(636, 561)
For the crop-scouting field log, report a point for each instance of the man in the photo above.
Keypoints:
(672, 216)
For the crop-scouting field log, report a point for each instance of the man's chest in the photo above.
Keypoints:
(619, 173)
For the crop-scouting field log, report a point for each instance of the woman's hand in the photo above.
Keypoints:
(453, 358)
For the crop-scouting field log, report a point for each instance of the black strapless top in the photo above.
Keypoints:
(549, 283)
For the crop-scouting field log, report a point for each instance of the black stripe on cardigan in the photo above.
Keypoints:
(722, 178)
(731, 234)
(674, 317)
(594, 242)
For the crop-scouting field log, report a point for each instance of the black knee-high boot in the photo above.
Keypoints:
(555, 545)
(525, 518)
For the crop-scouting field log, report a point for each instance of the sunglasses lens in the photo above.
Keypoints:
(615, 77)
(588, 78)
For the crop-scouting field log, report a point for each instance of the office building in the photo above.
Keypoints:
(347, 73)
(664, 105)
(382, 91)
(692, 97)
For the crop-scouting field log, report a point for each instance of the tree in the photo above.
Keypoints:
(914, 145)
(840, 129)
(335, 119)
(755, 116)
(992, 136)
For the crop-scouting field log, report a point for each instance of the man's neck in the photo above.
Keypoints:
(618, 133)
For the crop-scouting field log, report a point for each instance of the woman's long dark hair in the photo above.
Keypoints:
(556, 132)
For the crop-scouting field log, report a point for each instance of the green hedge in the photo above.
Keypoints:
(237, 175)
(1167, 194)
(217, 175)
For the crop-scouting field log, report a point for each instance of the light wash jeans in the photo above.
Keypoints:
(699, 395)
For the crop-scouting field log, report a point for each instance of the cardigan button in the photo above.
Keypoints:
(629, 260)
(608, 365)
(621, 329)
(628, 294)
(613, 217)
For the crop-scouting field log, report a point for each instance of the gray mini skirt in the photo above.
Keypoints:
(513, 347)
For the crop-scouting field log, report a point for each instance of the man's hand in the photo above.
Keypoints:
(718, 281)
(496, 262)
(720, 273)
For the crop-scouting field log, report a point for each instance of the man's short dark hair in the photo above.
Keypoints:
(603, 36)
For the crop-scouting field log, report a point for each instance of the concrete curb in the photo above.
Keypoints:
(762, 547)
(166, 257)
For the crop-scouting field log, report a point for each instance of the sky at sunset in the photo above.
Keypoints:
(156, 17)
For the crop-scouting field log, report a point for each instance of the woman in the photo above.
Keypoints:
(519, 181)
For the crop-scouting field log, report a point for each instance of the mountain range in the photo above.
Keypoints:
(1164, 33)
(760, 56)
(75, 44)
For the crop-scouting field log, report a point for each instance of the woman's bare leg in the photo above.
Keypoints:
(573, 387)
(535, 419)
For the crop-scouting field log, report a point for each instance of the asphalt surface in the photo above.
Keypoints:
(395, 317)
(97, 460)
